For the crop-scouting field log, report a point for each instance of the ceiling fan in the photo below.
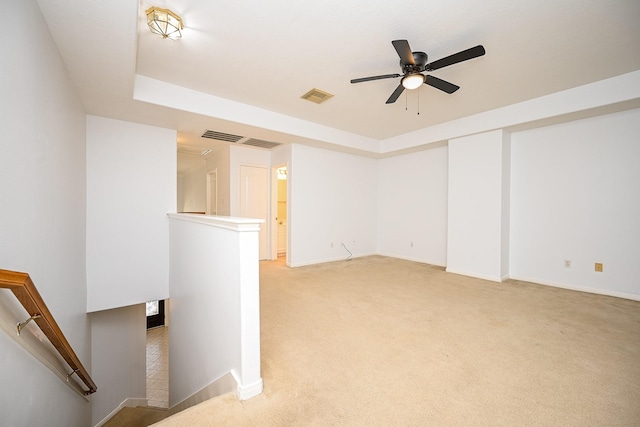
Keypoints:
(413, 64)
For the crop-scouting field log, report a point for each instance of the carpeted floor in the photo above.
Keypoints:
(384, 342)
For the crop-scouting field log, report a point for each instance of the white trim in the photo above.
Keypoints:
(228, 222)
(607, 292)
(273, 207)
(420, 260)
(478, 276)
(227, 383)
(602, 96)
(246, 392)
(127, 403)
(334, 259)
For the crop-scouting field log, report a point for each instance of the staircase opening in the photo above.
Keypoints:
(157, 352)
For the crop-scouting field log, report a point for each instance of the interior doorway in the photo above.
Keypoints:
(281, 212)
(212, 192)
(157, 354)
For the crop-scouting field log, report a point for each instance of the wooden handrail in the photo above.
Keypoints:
(25, 291)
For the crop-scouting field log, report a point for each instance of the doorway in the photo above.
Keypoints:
(281, 212)
(212, 192)
(155, 314)
(157, 355)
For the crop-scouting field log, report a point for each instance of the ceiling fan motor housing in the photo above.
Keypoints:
(419, 62)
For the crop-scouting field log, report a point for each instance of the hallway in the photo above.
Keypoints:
(158, 367)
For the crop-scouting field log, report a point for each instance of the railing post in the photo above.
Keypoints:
(26, 322)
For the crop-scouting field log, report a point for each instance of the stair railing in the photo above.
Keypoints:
(21, 285)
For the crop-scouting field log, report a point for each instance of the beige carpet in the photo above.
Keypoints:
(384, 342)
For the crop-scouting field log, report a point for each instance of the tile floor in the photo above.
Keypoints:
(158, 367)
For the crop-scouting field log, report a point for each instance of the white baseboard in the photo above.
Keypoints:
(478, 276)
(607, 292)
(127, 403)
(414, 259)
(322, 261)
(246, 392)
(225, 384)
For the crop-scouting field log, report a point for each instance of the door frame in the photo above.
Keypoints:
(274, 211)
(157, 320)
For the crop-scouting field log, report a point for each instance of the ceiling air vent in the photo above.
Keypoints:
(260, 143)
(316, 95)
(212, 134)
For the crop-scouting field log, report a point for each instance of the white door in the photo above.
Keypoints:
(212, 192)
(254, 200)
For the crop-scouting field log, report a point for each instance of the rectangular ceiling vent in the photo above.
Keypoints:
(260, 143)
(220, 136)
(316, 95)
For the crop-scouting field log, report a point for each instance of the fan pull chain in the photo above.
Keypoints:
(418, 101)
(406, 102)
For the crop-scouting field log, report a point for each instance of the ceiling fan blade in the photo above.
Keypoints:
(440, 84)
(396, 93)
(366, 79)
(465, 55)
(404, 51)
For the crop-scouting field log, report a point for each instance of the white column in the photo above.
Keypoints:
(478, 206)
(249, 379)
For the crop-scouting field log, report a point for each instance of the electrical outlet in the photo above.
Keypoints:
(411, 244)
(567, 263)
(599, 267)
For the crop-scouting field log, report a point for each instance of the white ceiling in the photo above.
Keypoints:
(263, 55)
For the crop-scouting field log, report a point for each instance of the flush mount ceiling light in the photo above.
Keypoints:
(164, 22)
(412, 81)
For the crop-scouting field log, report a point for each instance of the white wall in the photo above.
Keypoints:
(412, 206)
(333, 200)
(180, 192)
(42, 219)
(576, 196)
(131, 186)
(118, 349)
(476, 205)
(194, 190)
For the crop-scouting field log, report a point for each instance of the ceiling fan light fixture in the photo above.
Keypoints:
(412, 81)
(164, 22)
